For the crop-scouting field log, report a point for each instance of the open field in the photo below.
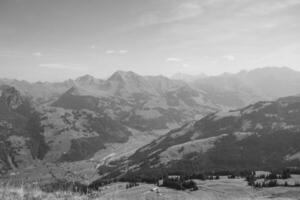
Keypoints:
(223, 189)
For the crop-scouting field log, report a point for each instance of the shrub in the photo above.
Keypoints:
(272, 183)
(179, 183)
(131, 184)
(231, 176)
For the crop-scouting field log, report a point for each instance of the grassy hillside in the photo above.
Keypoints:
(265, 135)
(225, 189)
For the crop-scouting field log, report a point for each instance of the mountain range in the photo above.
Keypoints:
(81, 124)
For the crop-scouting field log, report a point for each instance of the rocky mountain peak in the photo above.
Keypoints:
(11, 97)
(86, 80)
(124, 76)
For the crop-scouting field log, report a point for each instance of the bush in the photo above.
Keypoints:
(272, 183)
(285, 174)
(231, 176)
(251, 180)
(131, 184)
(63, 185)
(190, 185)
(199, 176)
(297, 184)
(272, 176)
(179, 183)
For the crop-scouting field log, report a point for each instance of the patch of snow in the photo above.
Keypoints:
(5, 124)
(246, 125)
(242, 135)
(196, 135)
(148, 114)
(293, 111)
(287, 126)
(154, 152)
(224, 114)
(259, 126)
(295, 156)
(183, 131)
(271, 115)
(282, 125)
(17, 141)
(252, 109)
(160, 139)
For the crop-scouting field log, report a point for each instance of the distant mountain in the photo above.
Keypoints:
(92, 121)
(187, 77)
(84, 118)
(40, 92)
(143, 103)
(226, 90)
(264, 135)
(102, 120)
(236, 90)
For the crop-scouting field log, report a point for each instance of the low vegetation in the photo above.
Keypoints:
(62, 189)
(33, 192)
(179, 183)
(272, 179)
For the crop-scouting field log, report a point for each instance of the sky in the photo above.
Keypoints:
(53, 40)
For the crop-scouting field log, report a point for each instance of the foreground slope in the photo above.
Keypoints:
(225, 189)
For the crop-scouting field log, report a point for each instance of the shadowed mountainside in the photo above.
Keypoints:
(264, 135)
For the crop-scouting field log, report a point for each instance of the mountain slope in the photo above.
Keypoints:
(89, 120)
(32, 137)
(20, 131)
(94, 114)
(143, 103)
(75, 135)
(264, 135)
(92, 121)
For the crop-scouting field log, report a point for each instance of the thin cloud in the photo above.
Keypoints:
(37, 54)
(269, 25)
(185, 65)
(181, 11)
(267, 7)
(112, 51)
(12, 54)
(123, 51)
(229, 57)
(174, 59)
(60, 66)
(187, 10)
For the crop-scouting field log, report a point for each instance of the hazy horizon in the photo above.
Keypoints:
(53, 40)
(172, 76)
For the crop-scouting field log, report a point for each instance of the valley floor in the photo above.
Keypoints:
(225, 189)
